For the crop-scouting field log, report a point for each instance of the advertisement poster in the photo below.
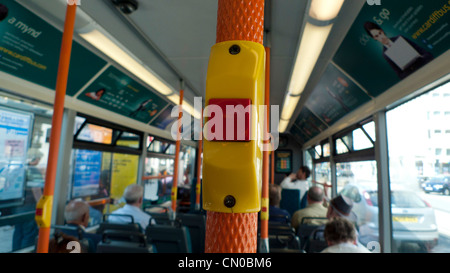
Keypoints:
(30, 47)
(335, 96)
(309, 124)
(15, 131)
(87, 169)
(124, 173)
(117, 92)
(389, 42)
(163, 120)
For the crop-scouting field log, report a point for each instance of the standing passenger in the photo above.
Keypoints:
(297, 181)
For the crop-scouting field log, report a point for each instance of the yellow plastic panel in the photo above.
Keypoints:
(232, 171)
(43, 215)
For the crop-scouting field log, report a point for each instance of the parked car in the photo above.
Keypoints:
(413, 219)
(439, 184)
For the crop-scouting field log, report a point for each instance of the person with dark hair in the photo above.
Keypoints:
(275, 213)
(315, 208)
(297, 180)
(403, 55)
(341, 237)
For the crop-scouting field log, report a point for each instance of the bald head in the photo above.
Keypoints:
(77, 212)
(315, 195)
(133, 194)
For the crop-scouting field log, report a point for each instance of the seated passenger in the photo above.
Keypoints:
(275, 213)
(61, 243)
(134, 196)
(340, 235)
(76, 214)
(315, 208)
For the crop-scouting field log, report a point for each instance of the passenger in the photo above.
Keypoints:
(275, 213)
(315, 208)
(297, 181)
(134, 196)
(340, 235)
(339, 207)
(76, 214)
(61, 244)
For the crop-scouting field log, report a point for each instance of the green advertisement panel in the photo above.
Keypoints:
(117, 92)
(30, 48)
(309, 124)
(163, 120)
(391, 41)
(335, 96)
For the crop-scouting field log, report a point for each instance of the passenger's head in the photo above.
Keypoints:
(376, 32)
(315, 195)
(77, 212)
(339, 230)
(274, 194)
(134, 195)
(61, 243)
(341, 206)
(303, 173)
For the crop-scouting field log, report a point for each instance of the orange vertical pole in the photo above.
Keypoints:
(177, 155)
(199, 165)
(235, 232)
(264, 240)
(272, 166)
(44, 206)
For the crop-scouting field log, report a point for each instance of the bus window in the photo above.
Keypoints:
(18, 229)
(417, 170)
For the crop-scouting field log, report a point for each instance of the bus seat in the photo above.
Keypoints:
(117, 241)
(304, 230)
(169, 239)
(316, 242)
(290, 200)
(105, 225)
(196, 224)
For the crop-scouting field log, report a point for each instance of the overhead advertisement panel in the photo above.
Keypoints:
(30, 47)
(335, 96)
(117, 92)
(309, 124)
(391, 41)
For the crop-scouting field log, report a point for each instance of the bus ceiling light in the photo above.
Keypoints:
(290, 103)
(283, 125)
(111, 48)
(315, 34)
(325, 10)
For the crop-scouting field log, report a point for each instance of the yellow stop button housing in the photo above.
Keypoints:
(232, 170)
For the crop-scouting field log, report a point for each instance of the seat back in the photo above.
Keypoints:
(305, 230)
(196, 224)
(290, 200)
(105, 225)
(316, 242)
(118, 241)
(169, 239)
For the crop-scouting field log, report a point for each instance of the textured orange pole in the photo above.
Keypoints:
(265, 174)
(199, 165)
(177, 156)
(58, 111)
(235, 232)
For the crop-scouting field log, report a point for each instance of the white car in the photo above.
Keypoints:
(413, 219)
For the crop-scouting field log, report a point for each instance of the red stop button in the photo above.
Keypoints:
(236, 119)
